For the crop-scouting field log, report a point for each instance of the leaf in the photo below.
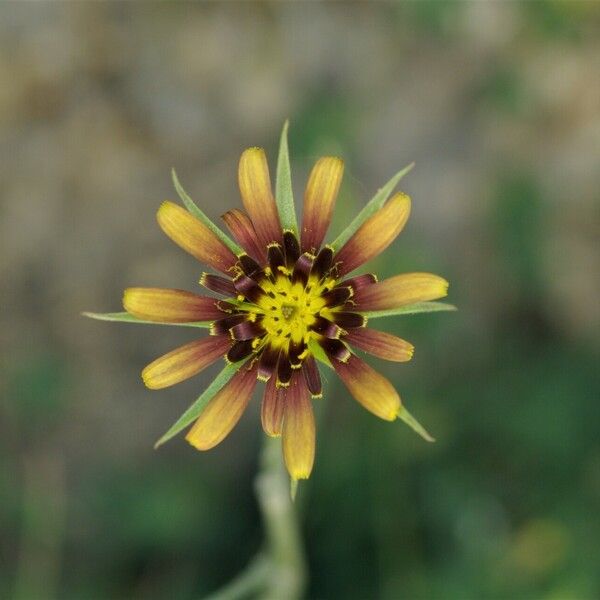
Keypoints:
(193, 412)
(370, 208)
(125, 317)
(414, 424)
(197, 212)
(411, 309)
(284, 195)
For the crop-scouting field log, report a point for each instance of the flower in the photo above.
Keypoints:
(282, 303)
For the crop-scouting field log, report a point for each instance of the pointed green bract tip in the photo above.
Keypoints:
(293, 489)
(284, 196)
(414, 424)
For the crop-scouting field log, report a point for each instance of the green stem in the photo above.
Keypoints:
(280, 571)
(249, 581)
(284, 545)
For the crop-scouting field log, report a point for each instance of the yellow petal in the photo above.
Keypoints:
(223, 412)
(184, 362)
(375, 234)
(319, 201)
(194, 237)
(298, 430)
(257, 197)
(401, 290)
(369, 388)
(165, 305)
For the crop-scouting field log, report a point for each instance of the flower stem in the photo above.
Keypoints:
(248, 582)
(284, 544)
(279, 571)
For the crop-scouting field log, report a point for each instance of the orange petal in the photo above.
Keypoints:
(218, 284)
(375, 234)
(224, 411)
(312, 376)
(242, 229)
(381, 344)
(298, 430)
(184, 362)
(257, 196)
(194, 237)
(271, 413)
(369, 388)
(319, 201)
(400, 290)
(165, 305)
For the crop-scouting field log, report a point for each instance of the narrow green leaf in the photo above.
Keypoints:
(125, 317)
(411, 309)
(193, 412)
(319, 353)
(370, 208)
(197, 212)
(284, 195)
(415, 425)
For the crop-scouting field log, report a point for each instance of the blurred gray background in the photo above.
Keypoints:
(499, 105)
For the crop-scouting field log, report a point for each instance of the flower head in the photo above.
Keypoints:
(282, 301)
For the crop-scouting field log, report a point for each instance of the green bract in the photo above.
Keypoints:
(125, 317)
(284, 195)
(193, 412)
(197, 212)
(374, 204)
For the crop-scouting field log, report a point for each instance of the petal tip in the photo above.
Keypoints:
(391, 416)
(403, 205)
(129, 300)
(332, 161)
(196, 442)
(125, 299)
(165, 206)
(252, 152)
(152, 382)
(441, 289)
(146, 379)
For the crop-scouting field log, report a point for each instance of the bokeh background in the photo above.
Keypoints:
(498, 104)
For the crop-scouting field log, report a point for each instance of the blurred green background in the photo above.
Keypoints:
(498, 104)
